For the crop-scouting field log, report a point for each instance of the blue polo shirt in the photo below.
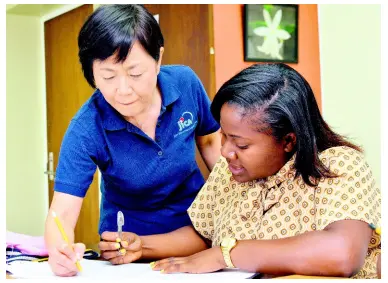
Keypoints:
(152, 182)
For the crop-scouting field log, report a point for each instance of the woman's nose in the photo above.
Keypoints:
(227, 152)
(124, 87)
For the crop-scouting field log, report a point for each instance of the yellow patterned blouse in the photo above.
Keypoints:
(280, 206)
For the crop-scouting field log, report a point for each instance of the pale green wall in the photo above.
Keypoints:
(26, 193)
(26, 140)
(350, 69)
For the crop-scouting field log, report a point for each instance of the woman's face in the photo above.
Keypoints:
(250, 154)
(128, 86)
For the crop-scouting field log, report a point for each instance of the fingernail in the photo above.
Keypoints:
(78, 256)
(117, 245)
(162, 271)
(152, 264)
(118, 240)
(123, 251)
(124, 243)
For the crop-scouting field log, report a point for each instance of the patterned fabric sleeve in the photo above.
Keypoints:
(353, 195)
(203, 206)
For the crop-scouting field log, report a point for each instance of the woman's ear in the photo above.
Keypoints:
(159, 63)
(289, 142)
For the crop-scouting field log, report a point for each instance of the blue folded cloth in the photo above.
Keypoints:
(13, 254)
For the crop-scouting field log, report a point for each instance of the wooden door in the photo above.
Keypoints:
(66, 91)
(188, 40)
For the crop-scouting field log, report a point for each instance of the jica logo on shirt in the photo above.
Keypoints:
(185, 121)
(186, 124)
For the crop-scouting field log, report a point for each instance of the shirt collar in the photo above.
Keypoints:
(287, 172)
(168, 88)
(111, 119)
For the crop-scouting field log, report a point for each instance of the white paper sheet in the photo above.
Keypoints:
(96, 269)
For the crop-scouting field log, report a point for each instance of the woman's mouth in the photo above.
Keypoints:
(127, 103)
(236, 170)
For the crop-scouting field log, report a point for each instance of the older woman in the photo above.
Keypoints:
(140, 128)
(288, 195)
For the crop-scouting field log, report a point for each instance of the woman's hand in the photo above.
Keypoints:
(209, 260)
(62, 259)
(120, 251)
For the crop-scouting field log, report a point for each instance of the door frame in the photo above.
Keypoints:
(60, 11)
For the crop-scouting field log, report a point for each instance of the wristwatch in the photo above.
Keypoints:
(227, 244)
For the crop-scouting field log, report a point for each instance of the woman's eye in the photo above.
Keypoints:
(242, 146)
(136, 76)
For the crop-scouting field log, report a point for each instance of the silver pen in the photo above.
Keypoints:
(120, 224)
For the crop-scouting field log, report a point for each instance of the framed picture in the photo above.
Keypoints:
(271, 33)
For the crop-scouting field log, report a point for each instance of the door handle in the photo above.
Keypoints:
(50, 172)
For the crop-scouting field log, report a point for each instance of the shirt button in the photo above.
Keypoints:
(160, 153)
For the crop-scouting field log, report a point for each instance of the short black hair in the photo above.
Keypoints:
(115, 28)
(288, 105)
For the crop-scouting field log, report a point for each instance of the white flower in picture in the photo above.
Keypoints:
(273, 35)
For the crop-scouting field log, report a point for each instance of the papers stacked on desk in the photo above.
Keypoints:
(97, 269)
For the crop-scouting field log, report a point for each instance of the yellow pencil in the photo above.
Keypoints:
(64, 236)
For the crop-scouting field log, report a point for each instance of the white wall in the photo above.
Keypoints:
(350, 69)
(26, 185)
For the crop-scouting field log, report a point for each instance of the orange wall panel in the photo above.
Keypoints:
(229, 47)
